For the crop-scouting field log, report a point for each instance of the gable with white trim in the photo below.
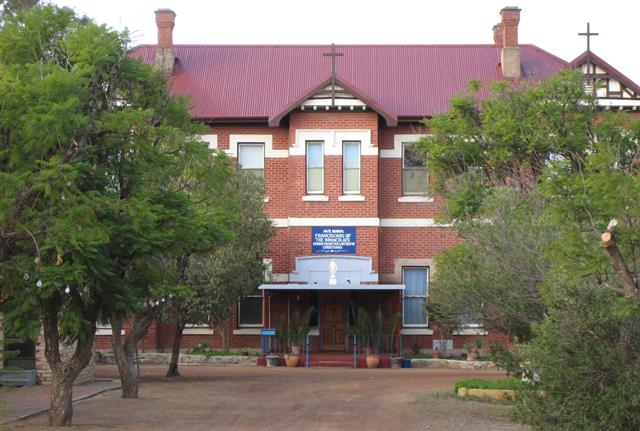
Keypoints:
(351, 270)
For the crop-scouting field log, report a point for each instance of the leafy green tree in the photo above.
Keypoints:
(10, 7)
(544, 187)
(506, 139)
(216, 280)
(587, 354)
(197, 222)
(92, 148)
(591, 289)
(494, 276)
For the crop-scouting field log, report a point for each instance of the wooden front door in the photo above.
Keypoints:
(333, 321)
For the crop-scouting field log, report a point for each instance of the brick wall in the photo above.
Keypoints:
(413, 243)
(285, 182)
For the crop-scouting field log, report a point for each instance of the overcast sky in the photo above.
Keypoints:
(550, 24)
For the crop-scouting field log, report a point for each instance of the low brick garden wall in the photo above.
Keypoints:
(453, 364)
(151, 358)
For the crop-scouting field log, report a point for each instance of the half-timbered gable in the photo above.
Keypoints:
(612, 89)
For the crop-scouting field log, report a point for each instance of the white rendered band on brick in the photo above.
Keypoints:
(356, 221)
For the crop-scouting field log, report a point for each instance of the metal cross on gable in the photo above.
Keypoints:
(588, 34)
(333, 54)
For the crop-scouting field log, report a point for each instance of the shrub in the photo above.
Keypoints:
(505, 359)
(587, 354)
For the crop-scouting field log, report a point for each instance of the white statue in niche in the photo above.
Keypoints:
(333, 270)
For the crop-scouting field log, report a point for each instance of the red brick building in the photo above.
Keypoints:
(330, 130)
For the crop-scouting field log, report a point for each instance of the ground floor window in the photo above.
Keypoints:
(250, 310)
(315, 303)
(470, 319)
(416, 281)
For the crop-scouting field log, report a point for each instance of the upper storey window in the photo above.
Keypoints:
(415, 180)
(315, 167)
(251, 158)
(351, 168)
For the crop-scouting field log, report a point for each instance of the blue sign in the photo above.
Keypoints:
(333, 240)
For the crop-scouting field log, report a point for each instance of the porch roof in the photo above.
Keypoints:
(327, 286)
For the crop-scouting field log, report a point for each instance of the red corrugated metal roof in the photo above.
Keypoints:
(411, 81)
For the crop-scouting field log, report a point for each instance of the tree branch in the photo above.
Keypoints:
(620, 267)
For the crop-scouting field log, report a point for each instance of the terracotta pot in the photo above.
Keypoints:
(295, 350)
(437, 354)
(373, 361)
(292, 360)
(472, 357)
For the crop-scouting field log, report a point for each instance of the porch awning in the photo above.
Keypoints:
(327, 286)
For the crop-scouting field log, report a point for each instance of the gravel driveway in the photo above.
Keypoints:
(260, 398)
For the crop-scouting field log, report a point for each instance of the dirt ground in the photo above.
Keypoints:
(260, 398)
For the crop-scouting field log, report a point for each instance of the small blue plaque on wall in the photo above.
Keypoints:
(333, 240)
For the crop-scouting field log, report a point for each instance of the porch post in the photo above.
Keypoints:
(355, 352)
(265, 311)
(399, 330)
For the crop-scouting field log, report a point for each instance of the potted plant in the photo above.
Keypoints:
(372, 333)
(296, 335)
(406, 362)
(436, 352)
(473, 349)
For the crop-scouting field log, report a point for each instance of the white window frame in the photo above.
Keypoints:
(477, 325)
(404, 193)
(197, 329)
(352, 192)
(306, 144)
(262, 144)
(425, 296)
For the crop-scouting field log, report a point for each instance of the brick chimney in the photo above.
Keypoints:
(164, 59)
(510, 57)
(497, 34)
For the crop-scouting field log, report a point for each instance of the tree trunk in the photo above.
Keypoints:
(629, 285)
(175, 349)
(124, 352)
(64, 373)
(124, 360)
(61, 407)
(225, 329)
(183, 265)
